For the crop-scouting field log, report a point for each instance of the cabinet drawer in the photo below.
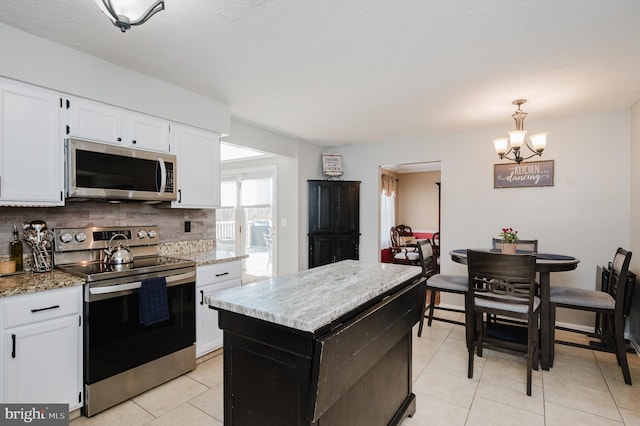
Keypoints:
(41, 306)
(211, 274)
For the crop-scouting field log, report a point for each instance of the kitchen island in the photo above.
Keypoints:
(327, 346)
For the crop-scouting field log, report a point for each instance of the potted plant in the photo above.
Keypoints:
(509, 240)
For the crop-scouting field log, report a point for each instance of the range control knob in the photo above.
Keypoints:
(80, 237)
(142, 233)
(66, 237)
(152, 233)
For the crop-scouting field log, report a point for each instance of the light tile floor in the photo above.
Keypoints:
(584, 387)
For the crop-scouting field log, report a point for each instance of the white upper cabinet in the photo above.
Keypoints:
(147, 132)
(31, 146)
(94, 121)
(105, 123)
(198, 154)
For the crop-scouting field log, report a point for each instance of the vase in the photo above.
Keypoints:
(508, 248)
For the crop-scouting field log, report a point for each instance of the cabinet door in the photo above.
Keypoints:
(325, 249)
(95, 121)
(334, 207)
(347, 210)
(208, 335)
(146, 132)
(31, 147)
(198, 154)
(321, 206)
(43, 362)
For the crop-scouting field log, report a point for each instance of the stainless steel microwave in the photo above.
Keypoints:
(111, 172)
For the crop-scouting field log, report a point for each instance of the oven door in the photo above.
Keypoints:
(115, 341)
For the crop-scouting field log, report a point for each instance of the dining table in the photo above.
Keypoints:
(545, 264)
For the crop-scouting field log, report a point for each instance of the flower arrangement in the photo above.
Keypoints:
(509, 235)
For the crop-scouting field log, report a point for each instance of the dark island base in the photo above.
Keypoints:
(355, 372)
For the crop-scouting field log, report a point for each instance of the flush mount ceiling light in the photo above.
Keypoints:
(126, 13)
(513, 144)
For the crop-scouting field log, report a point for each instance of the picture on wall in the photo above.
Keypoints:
(332, 165)
(526, 174)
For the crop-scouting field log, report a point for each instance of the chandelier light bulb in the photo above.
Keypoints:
(501, 145)
(539, 141)
(516, 138)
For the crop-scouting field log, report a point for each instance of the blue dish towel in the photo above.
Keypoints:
(154, 306)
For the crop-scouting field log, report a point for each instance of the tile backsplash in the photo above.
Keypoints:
(84, 214)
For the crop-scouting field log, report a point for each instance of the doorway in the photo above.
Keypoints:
(409, 195)
(244, 223)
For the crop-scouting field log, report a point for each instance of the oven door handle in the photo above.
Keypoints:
(115, 288)
(136, 284)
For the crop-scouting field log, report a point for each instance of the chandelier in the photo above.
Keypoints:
(126, 13)
(513, 144)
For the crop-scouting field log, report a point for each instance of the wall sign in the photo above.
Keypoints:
(332, 164)
(535, 173)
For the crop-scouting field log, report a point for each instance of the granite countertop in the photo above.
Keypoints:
(211, 257)
(202, 252)
(28, 282)
(311, 299)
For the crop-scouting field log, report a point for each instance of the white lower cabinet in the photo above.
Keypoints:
(209, 279)
(43, 347)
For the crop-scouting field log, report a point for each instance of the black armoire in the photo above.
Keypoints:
(334, 221)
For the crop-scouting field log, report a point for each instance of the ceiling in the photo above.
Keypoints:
(354, 71)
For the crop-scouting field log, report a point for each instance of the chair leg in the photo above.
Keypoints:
(620, 348)
(424, 310)
(432, 303)
(479, 333)
(531, 352)
(470, 332)
(552, 331)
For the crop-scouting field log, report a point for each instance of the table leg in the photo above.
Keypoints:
(546, 345)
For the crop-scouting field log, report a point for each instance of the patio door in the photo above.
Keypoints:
(244, 223)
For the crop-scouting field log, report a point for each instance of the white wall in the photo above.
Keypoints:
(252, 136)
(635, 187)
(585, 214)
(41, 62)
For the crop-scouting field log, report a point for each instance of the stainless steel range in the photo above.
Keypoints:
(124, 355)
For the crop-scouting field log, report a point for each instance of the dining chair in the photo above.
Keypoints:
(403, 251)
(610, 303)
(425, 250)
(448, 283)
(435, 243)
(530, 246)
(502, 284)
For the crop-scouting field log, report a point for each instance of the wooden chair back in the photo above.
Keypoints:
(501, 278)
(619, 271)
(427, 261)
(404, 230)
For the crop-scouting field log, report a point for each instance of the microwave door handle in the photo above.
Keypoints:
(163, 175)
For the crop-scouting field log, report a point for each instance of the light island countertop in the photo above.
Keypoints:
(311, 299)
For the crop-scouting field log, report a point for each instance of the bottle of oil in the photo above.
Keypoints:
(16, 249)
